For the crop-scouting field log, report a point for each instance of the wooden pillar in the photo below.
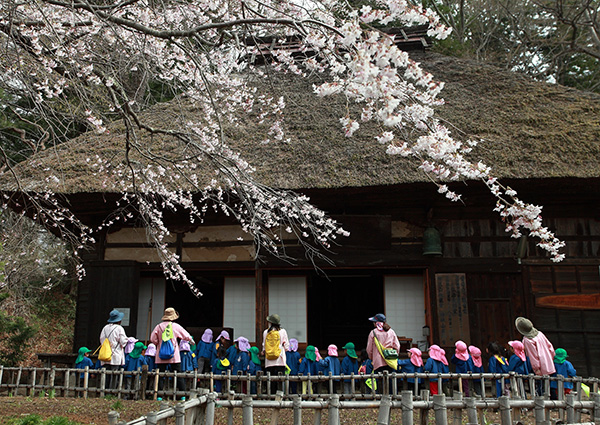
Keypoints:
(179, 414)
(457, 414)
(297, 401)
(247, 418)
(471, 411)
(505, 415)
(407, 407)
(440, 410)
(334, 410)
(262, 306)
(210, 408)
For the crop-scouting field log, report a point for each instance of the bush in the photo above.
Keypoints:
(15, 336)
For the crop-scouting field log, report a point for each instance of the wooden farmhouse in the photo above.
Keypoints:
(542, 140)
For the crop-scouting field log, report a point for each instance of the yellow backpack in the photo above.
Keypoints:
(105, 354)
(272, 342)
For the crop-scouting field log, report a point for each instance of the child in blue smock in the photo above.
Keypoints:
(82, 361)
(129, 347)
(563, 368)
(135, 362)
(436, 363)
(350, 366)
(254, 366)
(463, 364)
(414, 364)
(150, 355)
(220, 366)
(188, 361)
(222, 340)
(331, 365)
(292, 359)
(242, 360)
(497, 364)
(477, 367)
(308, 365)
(366, 368)
(204, 351)
(518, 362)
(232, 351)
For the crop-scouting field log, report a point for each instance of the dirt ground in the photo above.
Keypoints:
(95, 411)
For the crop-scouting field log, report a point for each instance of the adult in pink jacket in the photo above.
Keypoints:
(278, 365)
(388, 339)
(179, 333)
(538, 348)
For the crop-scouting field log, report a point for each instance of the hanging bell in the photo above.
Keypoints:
(432, 242)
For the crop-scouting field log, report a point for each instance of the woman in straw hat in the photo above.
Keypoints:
(178, 333)
(538, 348)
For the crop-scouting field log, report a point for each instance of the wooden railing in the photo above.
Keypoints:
(200, 410)
(68, 382)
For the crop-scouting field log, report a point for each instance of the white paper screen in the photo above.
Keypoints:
(287, 297)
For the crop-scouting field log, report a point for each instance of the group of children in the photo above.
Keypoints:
(219, 357)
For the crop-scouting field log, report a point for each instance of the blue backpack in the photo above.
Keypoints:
(167, 349)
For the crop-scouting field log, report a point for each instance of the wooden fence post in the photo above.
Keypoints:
(247, 416)
(67, 383)
(540, 412)
(33, 379)
(86, 380)
(210, 408)
(457, 414)
(424, 412)
(440, 410)
(570, 401)
(577, 387)
(505, 414)
(471, 411)
(297, 401)
(318, 413)
(163, 406)
(407, 408)
(143, 383)
(151, 418)
(275, 413)
(385, 406)
(334, 410)
(113, 417)
(596, 400)
(179, 414)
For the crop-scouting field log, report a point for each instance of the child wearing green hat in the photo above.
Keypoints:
(350, 366)
(308, 366)
(254, 366)
(83, 360)
(563, 368)
(135, 361)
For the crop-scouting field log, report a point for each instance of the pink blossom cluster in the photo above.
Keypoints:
(204, 52)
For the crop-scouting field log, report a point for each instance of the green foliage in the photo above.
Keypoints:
(117, 405)
(37, 420)
(15, 336)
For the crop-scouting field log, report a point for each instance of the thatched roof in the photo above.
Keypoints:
(531, 130)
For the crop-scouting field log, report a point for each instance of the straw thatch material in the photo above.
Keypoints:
(531, 130)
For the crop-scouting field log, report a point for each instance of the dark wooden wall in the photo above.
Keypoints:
(575, 330)
(107, 284)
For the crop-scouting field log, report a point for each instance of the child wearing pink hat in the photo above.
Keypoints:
(477, 367)
(462, 362)
(436, 363)
(414, 364)
(332, 365)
